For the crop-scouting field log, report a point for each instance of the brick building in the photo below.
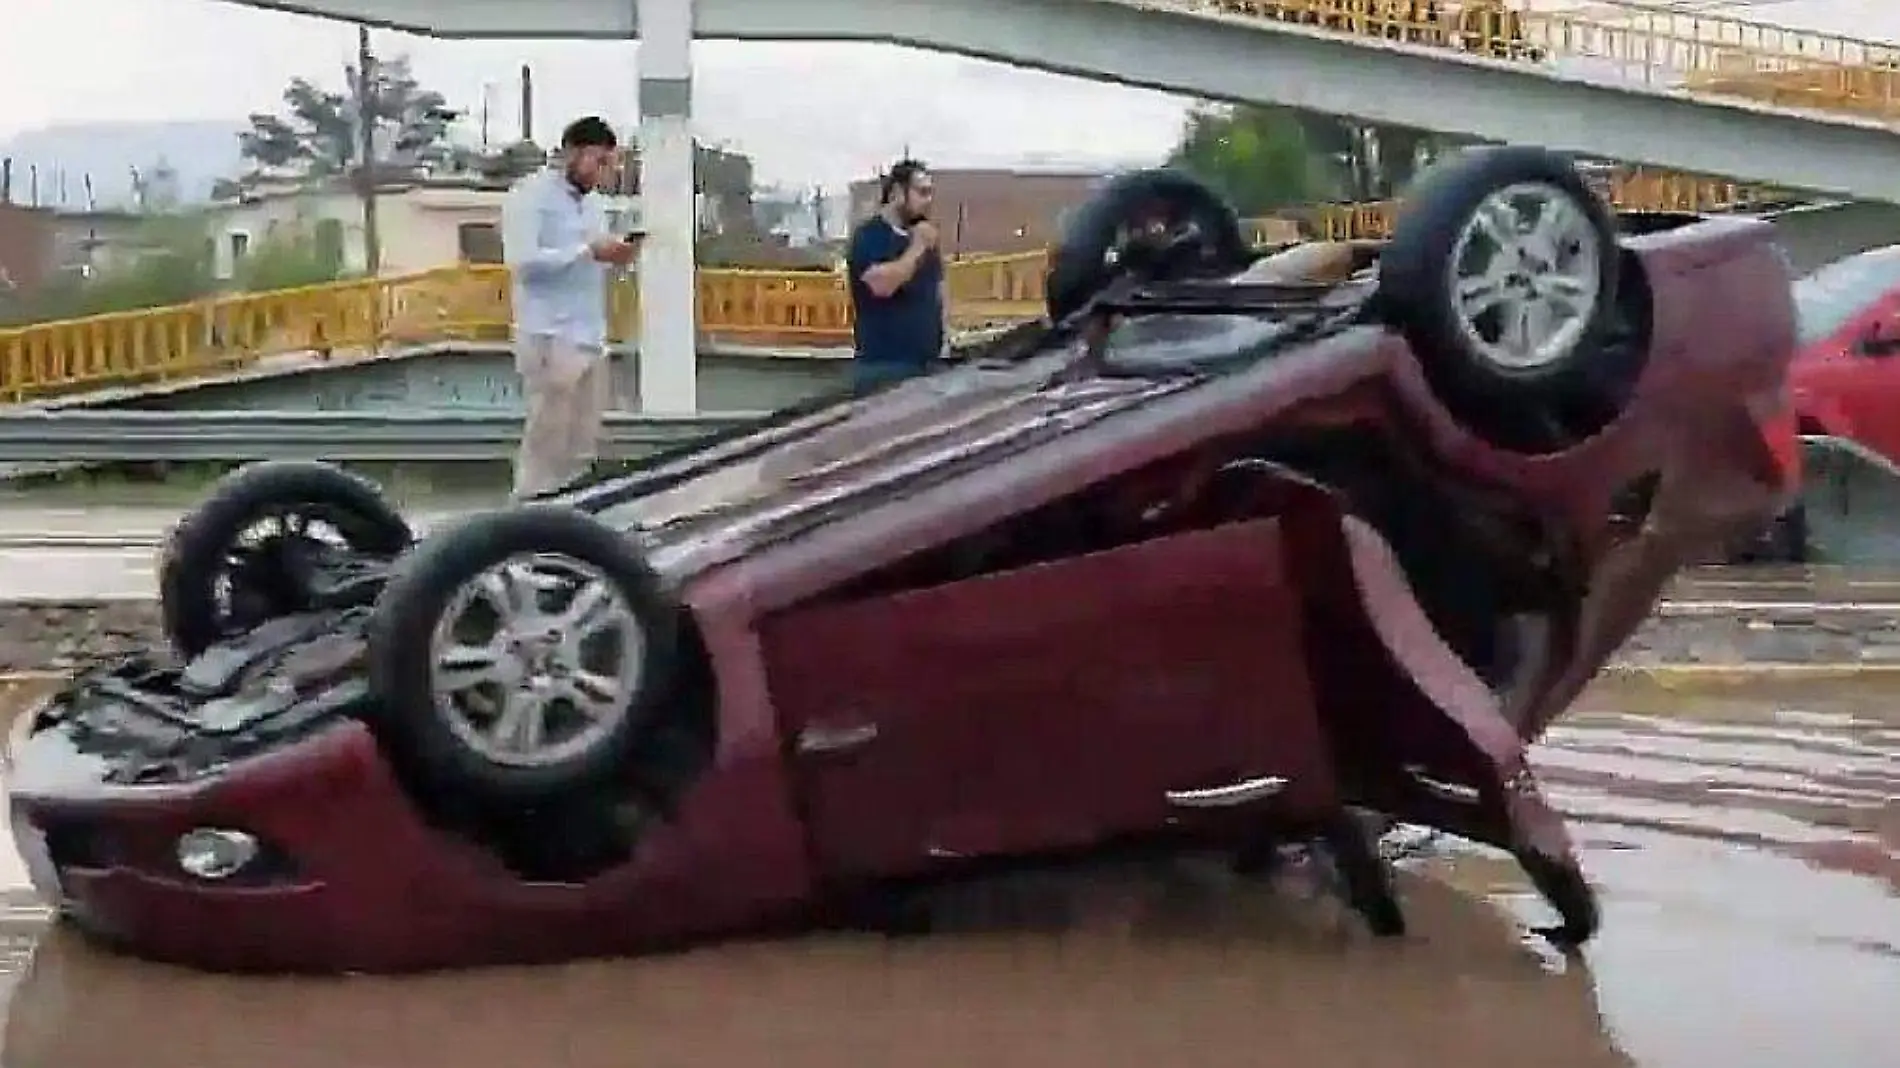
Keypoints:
(26, 248)
(995, 211)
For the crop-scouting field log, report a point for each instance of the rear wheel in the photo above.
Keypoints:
(233, 562)
(1788, 536)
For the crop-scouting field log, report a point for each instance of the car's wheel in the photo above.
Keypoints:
(1502, 274)
(225, 565)
(519, 657)
(1788, 537)
(1784, 540)
(1155, 223)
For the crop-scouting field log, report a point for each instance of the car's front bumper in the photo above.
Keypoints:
(352, 877)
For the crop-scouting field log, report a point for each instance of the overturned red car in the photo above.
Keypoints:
(1232, 551)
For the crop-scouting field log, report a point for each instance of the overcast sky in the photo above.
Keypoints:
(806, 112)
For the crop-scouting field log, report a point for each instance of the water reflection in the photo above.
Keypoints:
(1157, 969)
(1748, 841)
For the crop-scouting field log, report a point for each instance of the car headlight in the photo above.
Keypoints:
(213, 853)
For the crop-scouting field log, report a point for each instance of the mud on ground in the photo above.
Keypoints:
(54, 636)
(60, 635)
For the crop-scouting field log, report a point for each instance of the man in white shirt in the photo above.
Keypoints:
(555, 241)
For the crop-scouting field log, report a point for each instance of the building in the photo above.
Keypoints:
(427, 221)
(996, 210)
(800, 219)
(421, 223)
(83, 243)
(26, 249)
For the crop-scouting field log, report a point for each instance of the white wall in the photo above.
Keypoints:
(419, 227)
(278, 217)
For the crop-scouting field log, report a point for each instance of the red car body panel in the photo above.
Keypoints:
(876, 724)
(1839, 387)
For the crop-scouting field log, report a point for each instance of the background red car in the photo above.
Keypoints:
(1845, 378)
(1845, 386)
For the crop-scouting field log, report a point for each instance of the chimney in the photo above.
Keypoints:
(527, 102)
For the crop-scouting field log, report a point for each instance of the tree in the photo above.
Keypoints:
(1267, 158)
(1371, 161)
(1259, 158)
(316, 135)
(172, 262)
(416, 121)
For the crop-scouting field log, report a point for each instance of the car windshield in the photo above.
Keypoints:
(1827, 298)
(836, 436)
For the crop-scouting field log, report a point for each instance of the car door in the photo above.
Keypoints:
(1051, 706)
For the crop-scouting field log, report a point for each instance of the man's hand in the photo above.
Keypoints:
(923, 235)
(611, 250)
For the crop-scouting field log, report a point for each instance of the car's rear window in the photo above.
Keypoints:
(1829, 297)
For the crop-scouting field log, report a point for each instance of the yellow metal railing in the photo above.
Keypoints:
(354, 320)
(1629, 190)
(1713, 54)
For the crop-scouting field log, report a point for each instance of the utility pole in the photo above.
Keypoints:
(366, 165)
(488, 91)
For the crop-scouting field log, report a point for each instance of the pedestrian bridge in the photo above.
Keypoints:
(1694, 92)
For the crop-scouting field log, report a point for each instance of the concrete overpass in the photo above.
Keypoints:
(1599, 106)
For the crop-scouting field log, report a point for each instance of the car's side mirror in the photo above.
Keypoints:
(1879, 340)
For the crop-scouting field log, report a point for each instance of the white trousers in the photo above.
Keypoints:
(568, 389)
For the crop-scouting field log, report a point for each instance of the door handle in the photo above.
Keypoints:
(1244, 792)
(831, 741)
(1444, 788)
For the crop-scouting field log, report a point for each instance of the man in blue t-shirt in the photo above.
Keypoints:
(897, 283)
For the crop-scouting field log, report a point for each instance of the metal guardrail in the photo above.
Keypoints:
(109, 436)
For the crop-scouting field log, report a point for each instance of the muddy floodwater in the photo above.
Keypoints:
(1746, 839)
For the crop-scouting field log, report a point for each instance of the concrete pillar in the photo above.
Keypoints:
(668, 316)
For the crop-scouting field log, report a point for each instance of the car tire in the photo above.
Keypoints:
(436, 732)
(1788, 536)
(198, 551)
(1090, 253)
(1515, 226)
(1783, 540)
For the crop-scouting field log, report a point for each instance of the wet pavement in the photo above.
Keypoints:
(38, 633)
(97, 551)
(1746, 838)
